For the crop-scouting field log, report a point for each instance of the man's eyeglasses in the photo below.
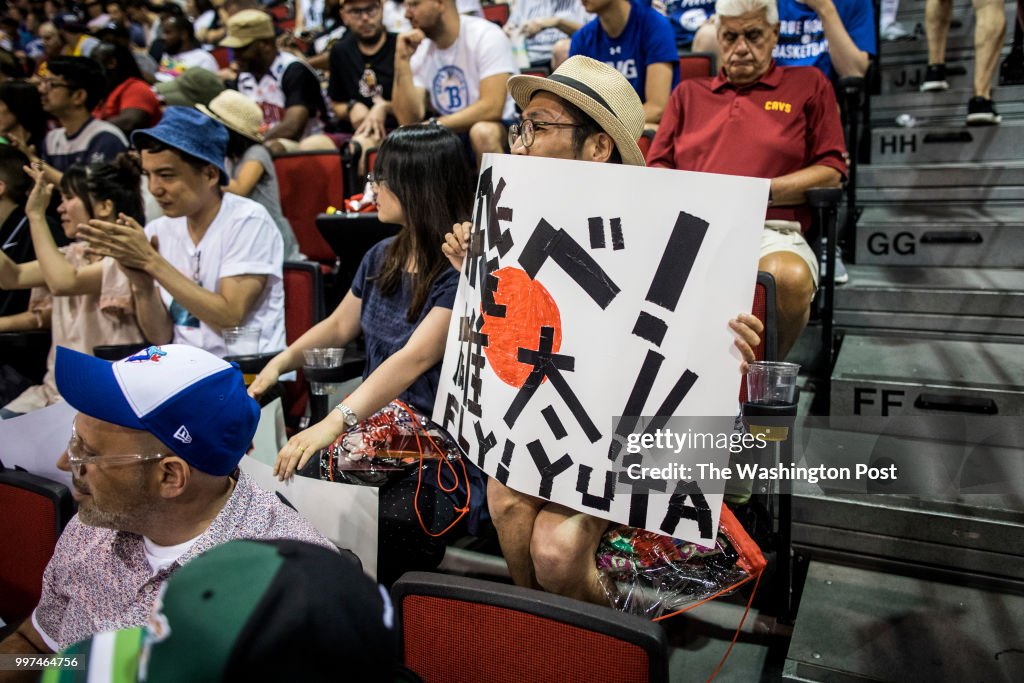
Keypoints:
(79, 455)
(367, 12)
(527, 130)
(51, 83)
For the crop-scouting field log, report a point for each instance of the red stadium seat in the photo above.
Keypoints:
(764, 310)
(697, 65)
(303, 308)
(371, 158)
(222, 55)
(538, 71)
(33, 512)
(524, 635)
(497, 12)
(309, 182)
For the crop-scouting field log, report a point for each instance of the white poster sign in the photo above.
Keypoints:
(35, 441)
(347, 515)
(593, 291)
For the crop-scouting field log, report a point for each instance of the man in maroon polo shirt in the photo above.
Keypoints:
(759, 119)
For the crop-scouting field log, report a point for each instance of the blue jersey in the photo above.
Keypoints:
(647, 39)
(686, 16)
(802, 41)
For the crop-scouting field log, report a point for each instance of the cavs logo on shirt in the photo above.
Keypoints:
(450, 92)
(772, 105)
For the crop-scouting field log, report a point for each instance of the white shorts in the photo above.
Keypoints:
(786, 236)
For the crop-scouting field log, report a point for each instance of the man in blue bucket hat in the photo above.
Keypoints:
(213, 260)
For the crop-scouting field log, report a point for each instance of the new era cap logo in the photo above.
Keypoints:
(182, 435)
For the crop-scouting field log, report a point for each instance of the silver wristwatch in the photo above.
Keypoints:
(348, 415)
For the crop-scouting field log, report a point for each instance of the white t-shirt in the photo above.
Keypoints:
(242, 240)
(471, 7)
(172, 66)
(452, 76)
(163, 556)
(540, 45)
(204, 20)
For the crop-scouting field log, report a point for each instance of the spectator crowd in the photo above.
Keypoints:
(139, 205)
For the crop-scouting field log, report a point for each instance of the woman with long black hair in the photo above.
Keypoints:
(401, 300)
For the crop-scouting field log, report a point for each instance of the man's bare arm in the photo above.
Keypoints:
(489, 107)
(408, 102)
(790, 189)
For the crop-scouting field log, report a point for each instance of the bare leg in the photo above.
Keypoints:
(514, 515)
(706, 40)
(937, 15)
(318, 142)
(989, 32)
(563, 549)
(794, 290)
(560, 52)
(487, 136)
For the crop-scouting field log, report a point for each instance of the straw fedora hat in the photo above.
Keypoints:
(600, 91)
(237, 112)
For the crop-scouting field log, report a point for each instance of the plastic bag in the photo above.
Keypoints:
(653, 575)
(388, 445)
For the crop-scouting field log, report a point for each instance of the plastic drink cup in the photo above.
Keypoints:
(772, 383)
(242, 341)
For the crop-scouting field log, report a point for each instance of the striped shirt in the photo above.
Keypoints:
(95, 142)
(100, 580)
(539, 46)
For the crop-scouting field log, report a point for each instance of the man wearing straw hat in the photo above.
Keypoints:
(586, 111)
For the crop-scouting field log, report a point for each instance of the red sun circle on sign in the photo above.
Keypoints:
(528, 308)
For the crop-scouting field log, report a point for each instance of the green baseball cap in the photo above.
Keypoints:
(250, 611)
(195, 86)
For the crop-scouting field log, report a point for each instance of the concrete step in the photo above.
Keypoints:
(1000, 173)
(951, 115)
(958, 324)
(942, 333)
(886, 376)
(970, 195)
(942, 291)
(961, 32)
(914, 101)
(863, 625)
(896, 242)
(948, 144)
(978, 534)
(903, 73)
(964, 300)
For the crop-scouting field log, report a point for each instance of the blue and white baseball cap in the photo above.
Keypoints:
(194, 402)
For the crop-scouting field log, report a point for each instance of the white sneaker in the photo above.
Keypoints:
(896, 31)
(842, 277)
